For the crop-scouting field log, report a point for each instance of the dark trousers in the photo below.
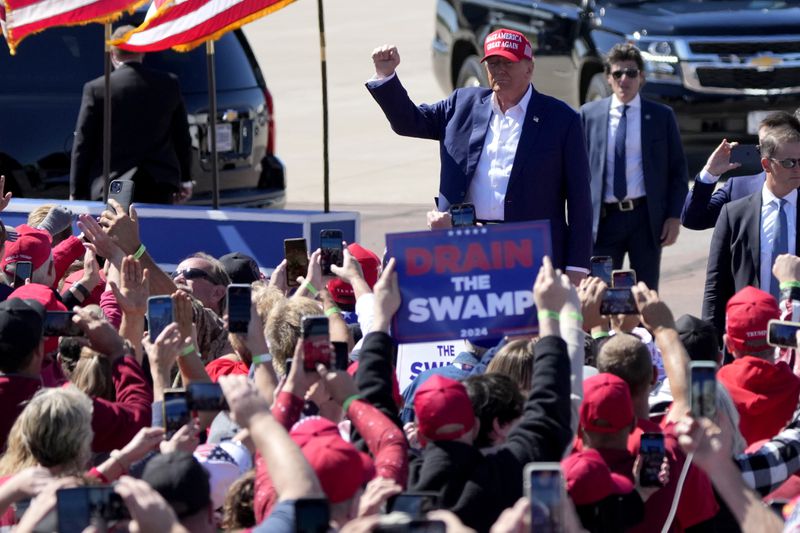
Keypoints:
(149, 191)
(622, 232)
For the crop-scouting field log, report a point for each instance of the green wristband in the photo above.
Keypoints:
(574, 315)
(310, 288)
(545, 314)
(140, 251)
(332, 311)
(789, 284)
(600, 335)
(262, 359)
(190, 349)
(349, 400)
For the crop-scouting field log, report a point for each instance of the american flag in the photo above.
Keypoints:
(26, 17)
(185, 24)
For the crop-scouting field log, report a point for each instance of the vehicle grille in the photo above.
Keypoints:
(745, 48)
(749, 78)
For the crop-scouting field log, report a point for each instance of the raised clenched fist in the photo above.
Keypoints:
(386, 58)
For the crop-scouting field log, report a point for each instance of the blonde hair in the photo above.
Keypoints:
(92, 375)
(515, 360)
(283, 328)
(54, 430)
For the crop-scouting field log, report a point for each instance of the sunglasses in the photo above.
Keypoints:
(787, 163)
(630, 72)
(192, 273)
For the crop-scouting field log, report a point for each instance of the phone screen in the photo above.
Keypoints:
(159, 315)
(205, 397)
(601, 267)
(239, 303)
(176, 412)
(651, 448)
(330, 242)
(783, 334)
(316, 342)
(623, 279)
(618, 302)
(417, 505)
(60, 324)
(462, 215)
(296, 253)
(312, 515)
(22, 271)
(547, 500)
(703, 390)
(76, 507)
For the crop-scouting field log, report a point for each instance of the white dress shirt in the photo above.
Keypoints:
(634, 171)
(487, 190)
(769, 215)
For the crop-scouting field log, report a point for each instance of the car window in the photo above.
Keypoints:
(61, 60)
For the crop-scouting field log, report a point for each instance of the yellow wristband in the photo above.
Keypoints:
(544, 314)
(310, 288)
(140, 251)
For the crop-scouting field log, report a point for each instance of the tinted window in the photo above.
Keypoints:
(63, 59)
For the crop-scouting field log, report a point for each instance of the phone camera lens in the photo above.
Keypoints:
(116, 187)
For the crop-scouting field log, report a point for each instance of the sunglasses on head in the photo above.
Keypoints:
(787, 163)
(630, 72)
(192, 273)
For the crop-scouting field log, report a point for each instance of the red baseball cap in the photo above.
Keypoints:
(341, 291)
(443, 408)
(509, 44)
(746, 316)
(589, 479)
(45, 296)
(607, 406)
(338, 465)
(31, 245)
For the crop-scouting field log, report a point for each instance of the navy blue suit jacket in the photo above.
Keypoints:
(550, 166)
(734, 260)
(663, 160)
(701, 208)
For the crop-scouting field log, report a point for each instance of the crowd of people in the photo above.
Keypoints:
(595, 424)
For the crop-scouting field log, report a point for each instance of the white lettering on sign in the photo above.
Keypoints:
(509, 303)
(413, 359)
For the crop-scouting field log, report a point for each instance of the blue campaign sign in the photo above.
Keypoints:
(171, 233)
(473, 282)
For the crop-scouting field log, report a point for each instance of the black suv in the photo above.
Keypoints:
(40, 95)
(720, 64)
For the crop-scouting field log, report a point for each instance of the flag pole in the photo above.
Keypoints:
(107, 111)
(212, 122)
(324, 68)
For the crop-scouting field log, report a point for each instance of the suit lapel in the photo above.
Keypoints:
(527, 138)
(481, 114)
(753, 229)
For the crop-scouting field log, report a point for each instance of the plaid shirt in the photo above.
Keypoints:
(773, 463)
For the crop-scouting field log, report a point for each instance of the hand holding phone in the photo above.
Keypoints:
(175, 411)
(782, 334)
(330, 241)
(618, 302)
(651, 453)
(205, 397)
(544, 487)
(462, 215)
(159, 315)
(23, 270)
(122, 191)
(601, 267)
(60, 324)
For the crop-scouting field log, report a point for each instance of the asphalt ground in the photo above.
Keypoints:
(389, 179)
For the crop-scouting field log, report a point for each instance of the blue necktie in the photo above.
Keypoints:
(620, 178)
(780, 244)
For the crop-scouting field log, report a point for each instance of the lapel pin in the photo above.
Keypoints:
(535, 118)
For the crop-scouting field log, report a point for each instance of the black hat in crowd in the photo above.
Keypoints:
(181, 480)
(699, 337)
(240, 267)
(21, 326)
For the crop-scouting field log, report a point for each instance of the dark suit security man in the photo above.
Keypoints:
(513, 152)
(149, 130)
(639, 173)
(753, 231)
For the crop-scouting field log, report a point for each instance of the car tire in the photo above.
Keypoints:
(598, 88)
(472, 73)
